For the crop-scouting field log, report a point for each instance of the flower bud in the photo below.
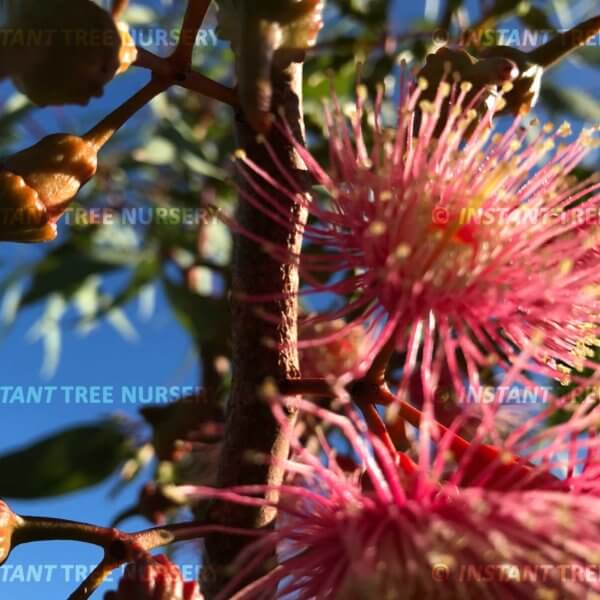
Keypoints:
(482, 81)
(38, 184)
(9, 521)
(23, 216)
(155, 579)
(80, 50)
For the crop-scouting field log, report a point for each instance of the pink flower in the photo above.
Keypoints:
(442, 527)
(334, 358)
(156, 579)
(469, 253)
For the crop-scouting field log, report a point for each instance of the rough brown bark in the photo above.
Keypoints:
(251, 429)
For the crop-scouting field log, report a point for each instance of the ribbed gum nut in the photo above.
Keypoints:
(9, 521)
(80, 50)
(23, 216)
(156, 579)
(56, 167)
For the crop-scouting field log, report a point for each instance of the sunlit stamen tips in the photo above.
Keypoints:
(240, 154)
(422, 83)
(268, 390)
(515, 145)
(593, 291)
(564, 130)
(444, 89)
(500, 104)
(402, 251)
(377, 228)
(427, 107)
(547, 146)
(466, 87)
(470, 115)
(566, 266)
(362, 92)
(548, 127)
(507, 86)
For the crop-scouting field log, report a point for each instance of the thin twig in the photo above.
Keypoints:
(158, 65)
(190, 80)
(263, 349)
(118, 8)
(105, 129)
(196, 82)
(194, 16)
(136, 545)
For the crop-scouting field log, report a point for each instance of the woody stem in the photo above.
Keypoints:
(105, 129)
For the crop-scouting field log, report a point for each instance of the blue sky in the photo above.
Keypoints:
(161, 356)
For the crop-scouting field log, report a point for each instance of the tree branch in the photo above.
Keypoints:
(194, 15)
(262, 349)
(188, 79)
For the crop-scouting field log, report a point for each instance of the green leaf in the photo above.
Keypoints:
(205, 318)
(143, 275)
(11, 117)
(536, 18)
(140, 15)
(158, 151)
(573, 101)
(68, 461)
(65, 269)
(590, 54)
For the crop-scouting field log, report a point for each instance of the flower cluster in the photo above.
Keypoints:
(372, 523)
(398, 229)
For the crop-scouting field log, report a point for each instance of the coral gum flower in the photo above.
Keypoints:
(470, 247)
(384, 530)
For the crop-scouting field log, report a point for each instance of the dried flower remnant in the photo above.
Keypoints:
(485, 78)
(80, 55)
(154, 579)
(333, 359)
(532, 65)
